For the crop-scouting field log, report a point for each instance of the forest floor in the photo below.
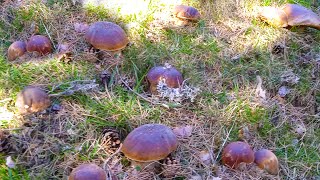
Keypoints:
(259, 84)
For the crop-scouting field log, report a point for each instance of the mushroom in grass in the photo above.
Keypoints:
(266, 160)
(148, 143)
(168, 74)
(186, 14)
(40, 44)
(106, 36)
(236, 153)
(31, 100)
(16, 49)
(290, 15)
(88, 172)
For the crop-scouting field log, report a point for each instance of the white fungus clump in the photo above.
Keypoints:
(184, 92)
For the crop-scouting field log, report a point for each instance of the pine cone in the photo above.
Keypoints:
(111, 139)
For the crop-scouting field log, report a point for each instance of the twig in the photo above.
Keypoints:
(224, 142)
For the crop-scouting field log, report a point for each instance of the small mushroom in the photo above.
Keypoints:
(16, 49)
(31, 100)
(148, 143)
(236, 153)
(88, 172)
(40, 44)
(170, 75)
(265, 159)
(186, 13)
(106, 36)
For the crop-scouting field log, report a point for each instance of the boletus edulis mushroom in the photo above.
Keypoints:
(31, 100)
(267, 160)
(16, 49)
(88, 172)
(40, 44)
(106, 36)
(149, 143)
(168, 74)
(236, 153)
(185, 14)
(290, 15)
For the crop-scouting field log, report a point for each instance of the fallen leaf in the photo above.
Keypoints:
(195, 177)
(260, 92)
(183, 131)
(289, 77)
(300, 129)
(206, 157)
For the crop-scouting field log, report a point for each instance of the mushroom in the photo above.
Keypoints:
(16, 49)
(40, 44)
(290, 15)
(236, 153)
(88, 172)
(265, 159)
(185, 14)
(31, 100)
(148, 143)
(106, 36)
(170, 75)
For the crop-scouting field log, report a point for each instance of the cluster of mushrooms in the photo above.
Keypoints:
(153, 142)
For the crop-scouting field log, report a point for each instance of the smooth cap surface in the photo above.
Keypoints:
(301, 16)
(149, 142)
(170, 75)
(16, 49)
(88, 172)
(106, 36)
(265, 159)
(237, 152)
(273, 16)
(186, 12)
(31, 100)
(40, 44)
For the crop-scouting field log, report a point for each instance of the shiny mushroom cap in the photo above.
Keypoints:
(186, 12)
(16, 49)
(88, 172)
(31, 100)
(106, 36)
(149, 142)
(170, 75)
(40, 44)
(265, 159)
(237, 152)
(301, 16)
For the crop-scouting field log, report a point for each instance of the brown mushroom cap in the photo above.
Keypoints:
(301, 16)
(237, 152)
(31, 100)
(172, 77)
(265, 159)
(88, 172)
(106, 36)
(273, 16)
(40, 44)
(186, 12)
(16, 49)
(149, 142)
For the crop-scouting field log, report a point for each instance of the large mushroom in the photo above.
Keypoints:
(31, 100)
(290, 15)
(88, 172)
(16, 49)
(168, 74)
(236, 153)
(106, 36)
(185, 14)
(40, 44)
(149, 143)
(265, 159)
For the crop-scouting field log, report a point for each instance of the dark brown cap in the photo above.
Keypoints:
(16, 49)
(237, 152)
(40, 44)
(88, 172)
(106, 36)
(186, 12)
(265, 159)
(149, 142)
